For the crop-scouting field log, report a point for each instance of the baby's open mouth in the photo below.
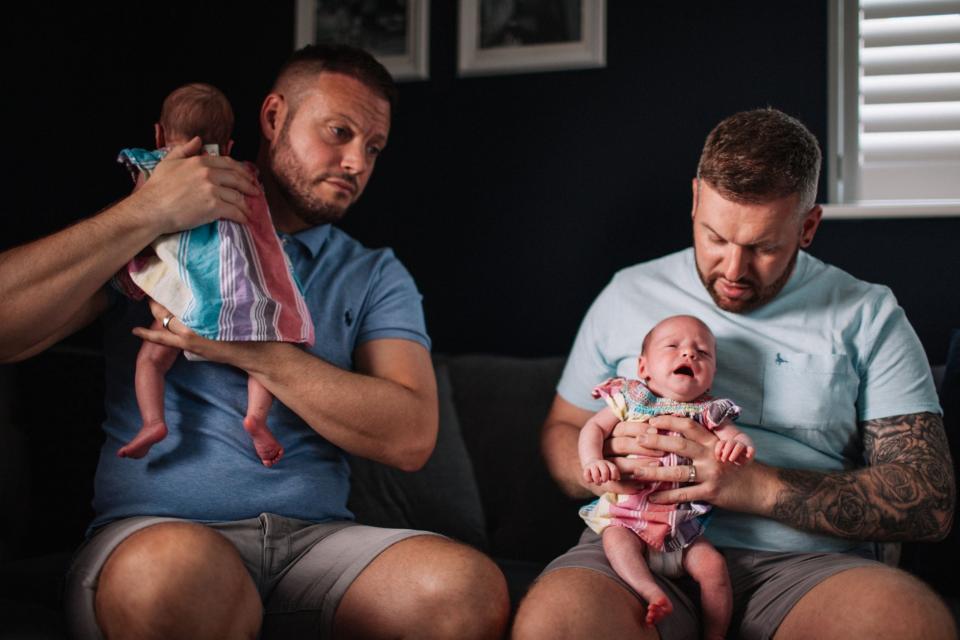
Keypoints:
(684, 371)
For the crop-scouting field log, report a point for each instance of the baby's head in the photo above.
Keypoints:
(196, 109)
(679, 358)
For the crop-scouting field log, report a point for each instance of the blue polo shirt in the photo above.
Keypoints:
(206, 468)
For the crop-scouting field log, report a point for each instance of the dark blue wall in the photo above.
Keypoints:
(511, 198)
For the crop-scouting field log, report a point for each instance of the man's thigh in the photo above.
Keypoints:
(683, 622)
(300, 569)
(304, 596)
(766, 585)
(869, 602)
(83, 577)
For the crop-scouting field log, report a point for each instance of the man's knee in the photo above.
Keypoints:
(579, 603)
(176, 573)
(876, 602)
(436, 587)
(468, 586)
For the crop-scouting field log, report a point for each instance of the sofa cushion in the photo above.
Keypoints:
(936, 562)
(502, 402)
(441, 497)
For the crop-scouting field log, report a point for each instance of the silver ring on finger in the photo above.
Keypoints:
(693, 474)
(166, 322)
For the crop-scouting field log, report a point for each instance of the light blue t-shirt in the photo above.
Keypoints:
(829, 351)
(206, 468)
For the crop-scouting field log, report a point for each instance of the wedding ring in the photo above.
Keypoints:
(693, 474)
(166, 322)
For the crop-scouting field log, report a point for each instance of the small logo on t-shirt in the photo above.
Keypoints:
(780, 360)
(348, 317)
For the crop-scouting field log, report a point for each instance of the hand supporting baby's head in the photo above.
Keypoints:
(678, 358)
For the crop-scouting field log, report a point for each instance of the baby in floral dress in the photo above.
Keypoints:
(676, 368)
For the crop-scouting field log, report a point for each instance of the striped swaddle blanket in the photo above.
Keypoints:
(224, 280)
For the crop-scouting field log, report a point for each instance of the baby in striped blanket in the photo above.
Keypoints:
(676, 368)
(223, 280)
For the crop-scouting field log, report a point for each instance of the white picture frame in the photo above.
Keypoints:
(400, 42)
(484, 49)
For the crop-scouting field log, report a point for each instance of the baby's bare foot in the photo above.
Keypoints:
(149, 435)
(268, 448)
(657, 609)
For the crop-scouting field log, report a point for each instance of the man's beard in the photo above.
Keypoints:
(761, 295)
(299, 191)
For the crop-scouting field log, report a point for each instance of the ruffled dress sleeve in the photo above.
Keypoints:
(719, 411)
(612, 392)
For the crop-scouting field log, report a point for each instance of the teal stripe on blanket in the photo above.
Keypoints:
(200, 248)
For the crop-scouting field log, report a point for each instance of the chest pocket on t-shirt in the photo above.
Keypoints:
(811, 398)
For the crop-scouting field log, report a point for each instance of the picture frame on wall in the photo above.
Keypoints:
(396, 32)
(520, 36)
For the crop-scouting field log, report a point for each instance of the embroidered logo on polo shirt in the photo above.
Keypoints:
(780, 360)
(348, 317)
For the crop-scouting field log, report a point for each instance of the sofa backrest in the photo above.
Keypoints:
(491, 410)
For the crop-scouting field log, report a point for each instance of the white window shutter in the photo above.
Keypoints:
(908, 101)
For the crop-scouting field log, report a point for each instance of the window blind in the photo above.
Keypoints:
(908, 100)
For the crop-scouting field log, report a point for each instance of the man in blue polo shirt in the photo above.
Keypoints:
(198, 539)
(836, 394)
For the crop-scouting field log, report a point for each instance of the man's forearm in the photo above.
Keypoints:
(367, 415)
(46, 283)
(908, 492)
(559, 443)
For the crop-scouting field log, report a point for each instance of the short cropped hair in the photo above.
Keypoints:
(307, 63)
(198, 109)
(761, 155)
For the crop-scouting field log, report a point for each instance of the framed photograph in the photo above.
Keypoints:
(394, 31)
(517, 36)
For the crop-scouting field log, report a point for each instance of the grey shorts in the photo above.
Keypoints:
(766, 585)
(301, 569)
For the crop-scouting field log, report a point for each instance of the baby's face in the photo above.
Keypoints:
(680, 360)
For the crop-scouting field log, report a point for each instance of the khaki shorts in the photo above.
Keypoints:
(301, 569)
(766, 585)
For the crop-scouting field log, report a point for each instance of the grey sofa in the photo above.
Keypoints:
(486, 483)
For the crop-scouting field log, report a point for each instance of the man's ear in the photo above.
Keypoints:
(158, 136)
(811, 223)
(273, 112)
(228, 148)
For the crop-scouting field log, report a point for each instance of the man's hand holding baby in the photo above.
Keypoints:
(730, 486)
(187, 190)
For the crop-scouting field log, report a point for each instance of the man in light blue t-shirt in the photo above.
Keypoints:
(836, 393)
(198, 539)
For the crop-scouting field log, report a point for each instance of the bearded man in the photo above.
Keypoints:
(198, 539)
(836, 393)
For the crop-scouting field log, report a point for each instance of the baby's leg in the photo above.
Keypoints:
(258, 405)
(706, 565)
(153, 362)
(624, 550)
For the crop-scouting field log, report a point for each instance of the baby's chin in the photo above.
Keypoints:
(683, 390)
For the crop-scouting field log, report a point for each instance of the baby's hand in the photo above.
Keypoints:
(600, 471)
(733, 451)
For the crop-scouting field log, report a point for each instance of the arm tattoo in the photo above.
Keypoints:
(907, 492)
